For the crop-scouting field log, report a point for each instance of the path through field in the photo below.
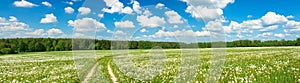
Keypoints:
(112, 76)
(90, 74)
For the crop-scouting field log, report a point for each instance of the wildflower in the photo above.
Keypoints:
(252, 66)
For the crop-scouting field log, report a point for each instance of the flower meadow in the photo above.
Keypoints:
(246, 65)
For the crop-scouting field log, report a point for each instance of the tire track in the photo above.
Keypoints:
(90, 74)
(112, 76)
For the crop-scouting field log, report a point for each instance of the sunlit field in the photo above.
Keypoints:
(255, 64)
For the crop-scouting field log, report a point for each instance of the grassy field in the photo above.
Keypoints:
(266, 64)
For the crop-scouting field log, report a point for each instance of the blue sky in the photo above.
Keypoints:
(155, 20)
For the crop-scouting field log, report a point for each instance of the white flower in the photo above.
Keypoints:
(252, 66)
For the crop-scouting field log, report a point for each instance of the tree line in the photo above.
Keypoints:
(19, 45)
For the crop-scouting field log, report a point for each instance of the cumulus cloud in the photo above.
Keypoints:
(173, 17)
(70, 3)
(38, 32)
(265, 35)
(12, 18)
(204, 12)
(143, 30)
(47, 4)
(69, 10)
(118, 32)
(109, 31)
(245, 26)
(100, 15)
(269, 22)
(272, 18)
(147, 13)
(152, 22)
(292, 26)
(84, 10)
(124, 24)
(214, 26)
(14, 28)
(136, 7)
(279, 35)
(180, 33)
(49, 18)
(206, 9)
(127, 10)
(12, 25)
(24, 3)
(269, 28)
(54, 32)
(159, 5)
(115, 6)
(86, 25)
(249, 16)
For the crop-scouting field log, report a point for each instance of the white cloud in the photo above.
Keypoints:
(24, 3)
(118, 32)
(79, 35)
(12, 18)
(37, 32)
(70, 3)
(233, 25)
(204, 12)
(214, 26)
(245, 26)
(54, 32)
(84, 10)
(109, 31)
(127, 10)
(265, 35)
(279, 35)
(76, 0)
(252, 24)
(49, 18)
(209, 3)
(289, 17)
(115, 6)
(86, 25)
(136, 7)
(292, 26)
(47, 4)
(272, 18)
(240, 36)
(269, 28)
(206, 9)
(175, 26)
(147, 13)
(159, 5)
(152, 22)
(249, 16)
(173, 17)
(69, 10)
(109, 3)
(143, 30)
(179, 33)
(100, 15)
(12, 25)
(270, 21)
(124, 24)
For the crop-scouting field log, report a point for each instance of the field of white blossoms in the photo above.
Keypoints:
(265, 64)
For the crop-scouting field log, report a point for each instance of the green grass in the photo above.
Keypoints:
(272, 64)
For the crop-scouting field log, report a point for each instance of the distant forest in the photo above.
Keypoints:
(18, 45)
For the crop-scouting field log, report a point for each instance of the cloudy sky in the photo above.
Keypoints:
(156, 20)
